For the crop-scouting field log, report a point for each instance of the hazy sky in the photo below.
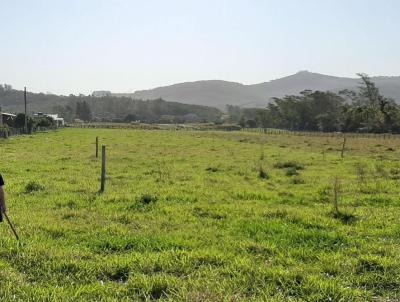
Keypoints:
(73, 46)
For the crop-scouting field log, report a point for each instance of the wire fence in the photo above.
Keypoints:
(7, 132)
(322, 134)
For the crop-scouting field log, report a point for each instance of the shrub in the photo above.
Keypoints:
(278, 214)
(289, 164)
(262, 173)
(45, 122)
(33, 186)
(292, 171)
(147, 199)
(324, 194)
(116, 274)
(251, 123)
(370, 264)
(203, 213)
(346, 218)
(297, 180)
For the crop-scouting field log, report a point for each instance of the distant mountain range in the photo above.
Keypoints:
(221, 93)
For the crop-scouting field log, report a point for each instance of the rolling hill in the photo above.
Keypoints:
(220, 93)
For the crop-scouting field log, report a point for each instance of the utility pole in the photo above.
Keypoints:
(26, 118)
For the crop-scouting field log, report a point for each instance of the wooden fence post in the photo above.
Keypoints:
(103, 168)
(25, 117)
(97, 146)
(343, 146)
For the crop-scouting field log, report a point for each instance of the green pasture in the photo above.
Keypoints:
(200, 216)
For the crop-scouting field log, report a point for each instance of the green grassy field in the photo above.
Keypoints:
(200, 216)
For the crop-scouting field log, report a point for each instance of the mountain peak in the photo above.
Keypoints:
(303, 72)
(309, 73)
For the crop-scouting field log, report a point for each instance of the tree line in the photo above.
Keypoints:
(365, 110)
(124, 109)
(107, 108)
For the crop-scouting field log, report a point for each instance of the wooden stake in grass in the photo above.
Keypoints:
(336, 193)
(343, 146)
(9, 223)
(26, 118)
(97, 146)
(103, 168)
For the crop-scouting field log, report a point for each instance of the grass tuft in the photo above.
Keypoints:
(346, 218)
(33, 186)
(146, 199)
(292, 171)
(289, 164)
(262, 173)
(297, 180)
(116, 274)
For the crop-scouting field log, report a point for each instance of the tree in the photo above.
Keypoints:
(365, 110)
(251, 123)
(371, 110)
(242, 122)
(66, 112)
(130, 118)
(83, 111)
(45, 121)
(19, 122)
(386, 110)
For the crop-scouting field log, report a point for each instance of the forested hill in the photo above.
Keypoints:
(107, 108)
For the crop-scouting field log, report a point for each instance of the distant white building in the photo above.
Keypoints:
(101, 93)
(59, 120)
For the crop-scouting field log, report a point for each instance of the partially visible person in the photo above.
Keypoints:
(2, 196)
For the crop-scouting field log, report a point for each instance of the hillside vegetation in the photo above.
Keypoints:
(363, 110)
(106, 108)
(200, 216)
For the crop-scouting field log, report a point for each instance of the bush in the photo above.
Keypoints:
(33, 186)
(251, 123)
(19, 121)
(297, 180)
(45, 122)
(130, 118)
(292, 171)
(147, 199)
(289, 164)
(346, 218)
(263, 174)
